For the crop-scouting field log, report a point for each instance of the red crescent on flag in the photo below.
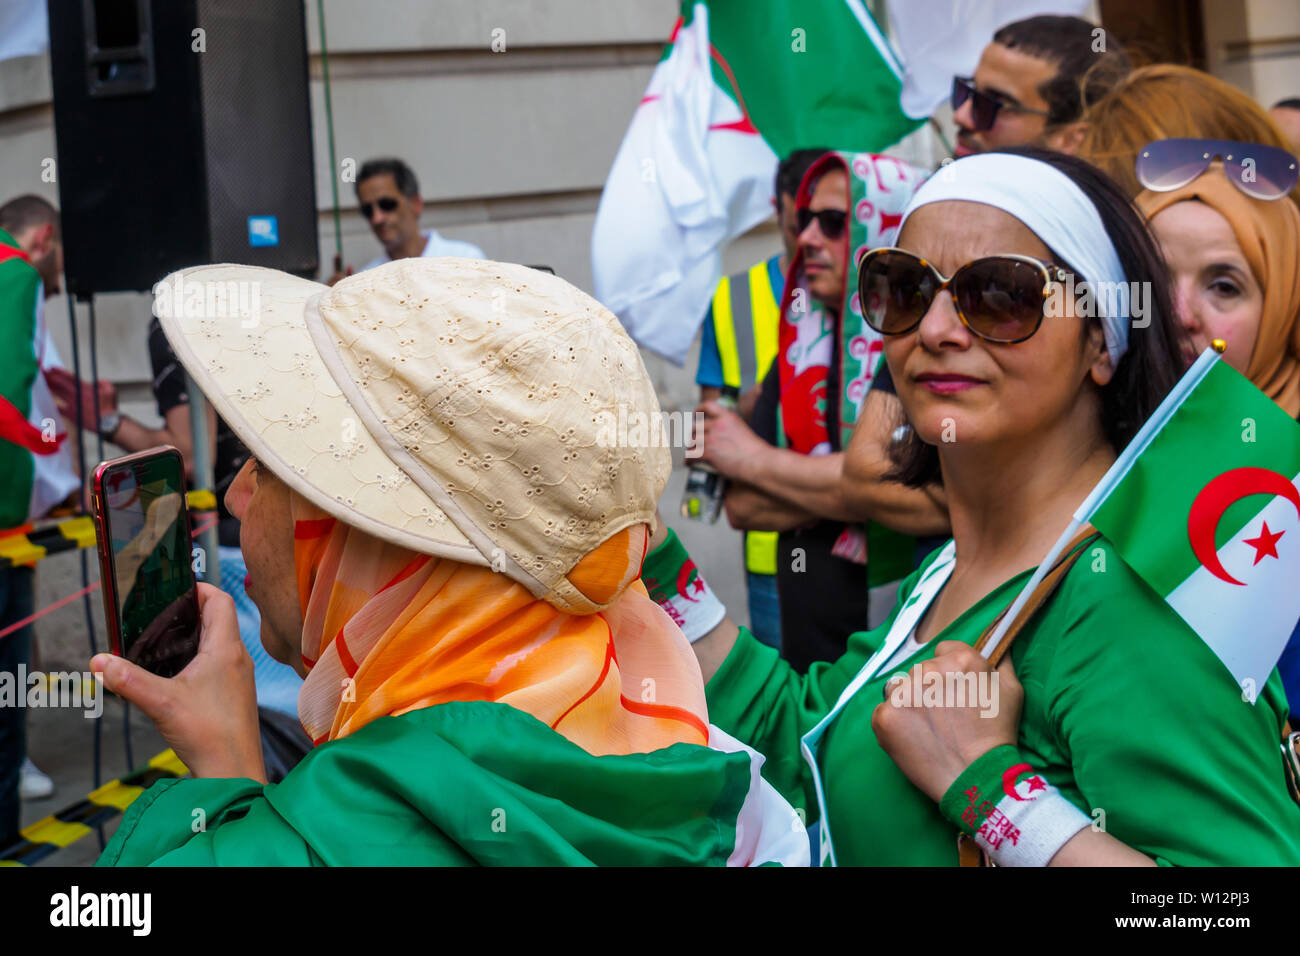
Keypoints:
(1009, 781)
(744, 124)
(684, 575)
(1217, 496)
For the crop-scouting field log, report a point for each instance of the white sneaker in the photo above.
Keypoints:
(32, 784)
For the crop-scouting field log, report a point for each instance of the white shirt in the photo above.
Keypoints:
(436, 246)
(904, 651)
(55, 476)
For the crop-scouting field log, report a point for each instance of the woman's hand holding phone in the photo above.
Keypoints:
(208, 712)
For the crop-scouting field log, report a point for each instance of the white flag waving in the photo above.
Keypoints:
(740, 84)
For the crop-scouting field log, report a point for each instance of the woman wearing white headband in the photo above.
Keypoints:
(1115, 738)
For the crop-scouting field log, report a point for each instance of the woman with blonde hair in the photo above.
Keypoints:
(1168, 101)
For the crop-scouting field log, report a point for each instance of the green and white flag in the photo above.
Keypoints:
(740, 84)
(1205, 506)
(36, 465)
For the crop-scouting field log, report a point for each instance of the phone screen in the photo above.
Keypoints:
(156, 603)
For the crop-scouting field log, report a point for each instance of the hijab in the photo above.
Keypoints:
(1268, 232)
(387, 630)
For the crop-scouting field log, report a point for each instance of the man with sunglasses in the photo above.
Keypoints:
(388, 196)
(1027, 87)
(737, 346)
(785, 471)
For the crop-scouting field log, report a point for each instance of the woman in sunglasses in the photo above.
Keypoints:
(1112, 735)
(1234, 251)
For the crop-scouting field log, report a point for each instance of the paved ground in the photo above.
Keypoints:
(61, 741)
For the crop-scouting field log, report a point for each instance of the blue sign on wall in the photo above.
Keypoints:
(263, 231)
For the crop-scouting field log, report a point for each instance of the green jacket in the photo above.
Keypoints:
(1127, 712)
(20, 289)
(452, 785)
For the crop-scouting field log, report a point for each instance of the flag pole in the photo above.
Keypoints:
(1023, 597)
(1114, 475)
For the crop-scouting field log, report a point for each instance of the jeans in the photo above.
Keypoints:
(16, 603)
(764, 608)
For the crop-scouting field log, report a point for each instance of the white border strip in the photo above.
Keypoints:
(872, 30)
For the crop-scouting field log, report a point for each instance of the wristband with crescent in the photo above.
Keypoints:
(678, 587)
(1013, 813)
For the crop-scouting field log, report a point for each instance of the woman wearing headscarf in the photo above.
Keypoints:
(1235, 261)
(1115, 735)
(1166, 101)
(443, 528)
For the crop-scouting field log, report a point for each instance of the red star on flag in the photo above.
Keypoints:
(1036, 784)
(1266, 544)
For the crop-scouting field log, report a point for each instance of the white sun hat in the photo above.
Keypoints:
(457, 407)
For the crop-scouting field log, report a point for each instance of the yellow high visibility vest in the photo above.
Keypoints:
(746, 317)
(747, 347)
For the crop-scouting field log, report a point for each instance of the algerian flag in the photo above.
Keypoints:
(35, 466)
(1208, 513)
(1204, 504)
(739, 85)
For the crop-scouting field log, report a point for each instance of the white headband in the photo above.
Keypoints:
(1055, 210)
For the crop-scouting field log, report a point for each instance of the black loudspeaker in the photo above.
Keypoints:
(184, 137)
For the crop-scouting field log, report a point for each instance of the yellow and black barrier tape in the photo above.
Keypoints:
(56, 831)
(27, 545)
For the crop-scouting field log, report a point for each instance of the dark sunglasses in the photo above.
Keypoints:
(387, 204)
(1259, 171)
(831, 221)
(1001, 299)
(984, 107)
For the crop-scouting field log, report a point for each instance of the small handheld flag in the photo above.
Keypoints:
(1202, 504)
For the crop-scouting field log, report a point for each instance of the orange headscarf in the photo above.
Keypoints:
(387, 630)
(1269, 235)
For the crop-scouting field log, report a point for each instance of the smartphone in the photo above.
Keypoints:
(151, 601)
